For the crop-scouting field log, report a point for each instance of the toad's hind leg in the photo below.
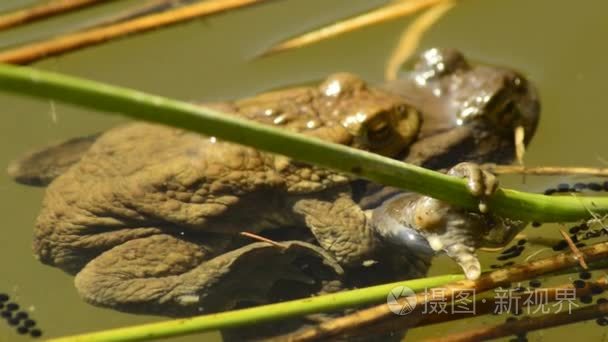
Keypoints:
(41, 166)
(164, 275)
(339, 225)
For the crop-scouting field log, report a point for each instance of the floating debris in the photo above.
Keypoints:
(535, 283)
(585, 275)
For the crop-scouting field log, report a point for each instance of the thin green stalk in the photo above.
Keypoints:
(142, 106)
(260, 314)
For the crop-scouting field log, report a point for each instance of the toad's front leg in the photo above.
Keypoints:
(423, 223)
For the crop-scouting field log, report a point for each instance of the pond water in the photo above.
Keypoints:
(559, 45)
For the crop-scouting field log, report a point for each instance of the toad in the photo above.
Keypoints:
(147, 216)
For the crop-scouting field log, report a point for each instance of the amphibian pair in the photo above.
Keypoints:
(148, 216)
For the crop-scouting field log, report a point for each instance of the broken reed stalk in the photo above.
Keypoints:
(36, 51)
(368, 317)
(43, 11)
(382, 14)
(528, 324)
(546, 170)
(142, 106)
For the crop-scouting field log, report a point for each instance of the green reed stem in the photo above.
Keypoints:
(259, 314)
(142, 106)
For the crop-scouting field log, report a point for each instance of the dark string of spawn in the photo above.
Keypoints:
(577, 233)
(20, 320)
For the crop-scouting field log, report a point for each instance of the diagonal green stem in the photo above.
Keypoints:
(142, 106)
(259, 314)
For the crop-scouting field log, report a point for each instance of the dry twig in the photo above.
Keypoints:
(43, 11)
(383, 14)
(575, 250)
(149, 7)
(410, 38)
(519, 301)
(364, 318)
(263, 239)
(528, 324)
(546, 170)
(520, 146)
(30, 53)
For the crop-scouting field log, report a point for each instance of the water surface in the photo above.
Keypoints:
(559, 45)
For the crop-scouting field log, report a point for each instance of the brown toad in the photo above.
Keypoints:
(147, 217)
(168, 204)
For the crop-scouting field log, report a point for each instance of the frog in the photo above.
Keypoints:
(132, 204)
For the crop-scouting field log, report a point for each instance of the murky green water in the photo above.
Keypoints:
(560, 45)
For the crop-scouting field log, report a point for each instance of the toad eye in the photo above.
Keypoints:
(501, 111)
(508, 114)
(378, 130)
